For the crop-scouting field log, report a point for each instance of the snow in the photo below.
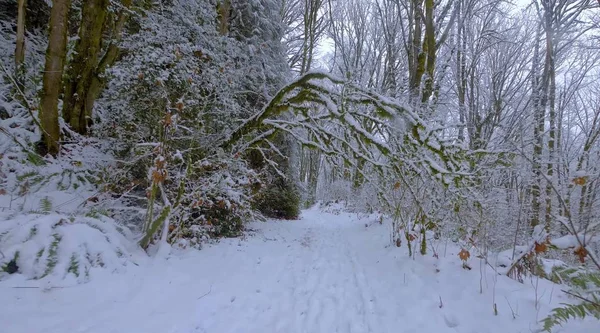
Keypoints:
(52, 248)
(323, 273)
(570, 241)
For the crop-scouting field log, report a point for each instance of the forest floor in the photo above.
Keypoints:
(322, 273)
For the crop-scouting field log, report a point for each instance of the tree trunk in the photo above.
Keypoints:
(109, 58)
(416, 58)
(544, 92)
(83, 66)
(53, 69)
(20, 47)
(538, 131)
(224, 8)
(551, 140)
(461, 75)
(430, 49)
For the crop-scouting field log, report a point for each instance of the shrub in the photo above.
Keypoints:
(280, 200)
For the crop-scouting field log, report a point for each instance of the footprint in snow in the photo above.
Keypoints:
(451, 320)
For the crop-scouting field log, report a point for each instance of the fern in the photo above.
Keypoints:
(26, 175)
(32, 232)
(35, 159)
(39, 254)
(585, 286)
(562, 315)
(46, 205)
(74, 265)
(52, 255)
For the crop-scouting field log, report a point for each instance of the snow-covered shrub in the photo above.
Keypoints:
(56, 245)
(181, 87)
(34, 62)
(216, 199)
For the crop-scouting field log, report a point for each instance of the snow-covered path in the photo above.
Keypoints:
(324, 273)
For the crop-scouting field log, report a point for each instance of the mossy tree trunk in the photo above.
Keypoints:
(81, 71)
(422, 45)
(110, 56)
(53, 70)
(416, 58)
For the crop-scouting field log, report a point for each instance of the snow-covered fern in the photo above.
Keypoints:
(57, 246)
(585, 287)
(46, 205)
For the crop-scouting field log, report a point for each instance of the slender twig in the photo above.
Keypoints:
(18, 287)
(511, 309)
(206, 294)
(596, 304)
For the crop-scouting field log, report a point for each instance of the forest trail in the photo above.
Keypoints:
(323, 273)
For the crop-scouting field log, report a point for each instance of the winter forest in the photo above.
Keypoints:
(300, 166)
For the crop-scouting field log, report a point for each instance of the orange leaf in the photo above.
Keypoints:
(397, 185)
(464, 255)
(158, 176)
(167, 121)
(540, 248)
(579, 181)
(581, 252)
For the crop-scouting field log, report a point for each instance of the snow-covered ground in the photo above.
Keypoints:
(323, 273)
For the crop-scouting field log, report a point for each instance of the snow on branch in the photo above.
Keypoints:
(379, 130)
